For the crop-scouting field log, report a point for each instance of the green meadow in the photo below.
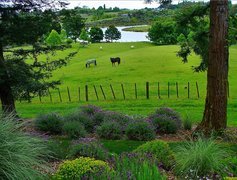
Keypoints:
(143, 63)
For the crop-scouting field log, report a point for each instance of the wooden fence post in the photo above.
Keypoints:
(188, 90)
(50, 96)
(158, 90)
(96, 93)
(197, 90)
(59, 94)
(135, 90)
(147, 90)
(86, 92)
(111, 87)
(79, 93)
(103, 92)
(68, 93)
(177, 89)
(123, 91)
(40, 96)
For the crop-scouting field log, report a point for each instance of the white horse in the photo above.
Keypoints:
(90, 61)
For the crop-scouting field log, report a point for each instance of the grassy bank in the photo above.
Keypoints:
(143, 63)
(138, 29)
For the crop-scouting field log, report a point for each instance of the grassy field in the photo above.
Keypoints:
(143, 63)
(138, 29)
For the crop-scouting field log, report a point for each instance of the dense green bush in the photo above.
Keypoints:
(21, 156)
(109, 130)
(81, 168)
(91, 149)
(165, 120)
(201, 158)
(160, 150)
(83, 118)
(140, 130)
(51, 123)
(74, 129)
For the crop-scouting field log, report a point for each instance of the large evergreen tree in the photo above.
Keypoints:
(22, 22)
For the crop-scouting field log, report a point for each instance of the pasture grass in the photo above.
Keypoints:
(143, 63)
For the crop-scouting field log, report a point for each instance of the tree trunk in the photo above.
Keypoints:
(6, 96)
(215, 114)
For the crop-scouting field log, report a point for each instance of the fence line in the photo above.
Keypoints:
(126, 91)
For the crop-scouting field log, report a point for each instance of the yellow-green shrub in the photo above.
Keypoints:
(81, 168)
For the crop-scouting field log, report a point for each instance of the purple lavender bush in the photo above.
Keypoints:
(165, 120)
(110, 130)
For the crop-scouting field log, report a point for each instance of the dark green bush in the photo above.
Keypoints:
(74, 129)
(83, 118)
(109, 130)
(140, 130)
(51, 123)
(165, 120)
(21, 156)
(201, 158)
(91, 149)
(160, 150)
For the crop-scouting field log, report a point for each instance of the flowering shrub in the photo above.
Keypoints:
(92, 149)
(81, 168)
(51, 123)
(160, 150)
(165, 120)
(109, 130)
(74, 129)
(140, 130)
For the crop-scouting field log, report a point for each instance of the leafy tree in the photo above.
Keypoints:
(22, 22)
(163, 32)
(53, 39)
(96, 34)
(84, 35)
(112, 33)
(73, 23)
(63, 35)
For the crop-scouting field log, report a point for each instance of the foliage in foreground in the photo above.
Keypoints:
(81, 168)
(200, 159)
(21, 156)
(160, 150)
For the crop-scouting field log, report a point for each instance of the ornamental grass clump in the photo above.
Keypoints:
(21, 156)
(134, 166)
(81, 168)
(160, 150)
(201, 159)
(165, 120)
(51, 123)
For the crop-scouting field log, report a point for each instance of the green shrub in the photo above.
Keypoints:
(51, 123)
(21, 156)
(160, 150)
(83, 119)
(232, 165)
(187, 123)
(140, 130)
(90, 109)
(165, 120)
(109, 130)
(199, 159)
(74, 129)
(81, 168)
(92, 149)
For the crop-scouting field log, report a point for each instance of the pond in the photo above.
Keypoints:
(129, 36)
